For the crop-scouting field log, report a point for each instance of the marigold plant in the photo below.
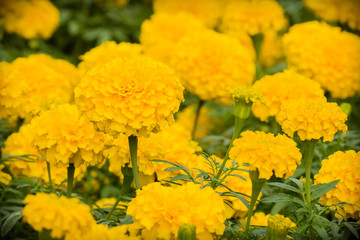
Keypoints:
(326, 54)
(165, 215)
(343, 166)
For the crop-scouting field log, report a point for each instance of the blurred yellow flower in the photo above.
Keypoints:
(253, 17)
(29, 19)
(281, 87)
(173, 206)
(208, 11)
(343, 166)
(137, 98)
(311, 119)
(326, 54)
(123, 232)
(271, 51)
(162, 31)
(4, 177)
(64, 217)
(268, 153)
(63, 136)
(210, 63)
(343, 11)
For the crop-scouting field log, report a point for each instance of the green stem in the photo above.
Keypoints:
(257, 184)
(201, 103)
(133, 143)
(128, 178)
(49, 173)
(257, 41)
(309, 148)
(239, 123)
(70, 179)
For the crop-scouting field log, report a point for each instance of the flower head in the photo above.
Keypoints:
(278, 226)
(30, 19)
(64, 217)
(123, 232)
(173, 206)
(253, 17)
(311, 119)
(106, 52)
(210, 63)
(162, 31)
(208, 11)
(343, 11)
(281, 87)
(137, 98)
(267, 153)
(327, 55)
(343, 166)
(63, 136)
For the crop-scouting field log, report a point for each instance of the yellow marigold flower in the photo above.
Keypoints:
(271, 51)
(123, 232)
(63, 136)
(136, 99)
(281, 87)
(184, 205)
(20, 143)
(244, 39)
(106, 52)
(278, 226)
(311, 119)
(29, 19)
(326, 54)
(162, 31)
(344, 166)
(208, 11)
(171, 145)
(344, 11)
(209, 63)
(246, 94)
(64, 217)
(4, 177)
(253, 16)
(266, 152)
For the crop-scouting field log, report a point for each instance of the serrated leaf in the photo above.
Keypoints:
(352, 229)
(127, 220)
(321, 231)
(284, 186)
(321, 189)
(179, 177)
(10, 222)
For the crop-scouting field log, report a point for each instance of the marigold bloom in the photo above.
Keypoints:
(106, 52)
(64, 217)
(266, 152)
(253, 17)
(278, 226)
(137, 98)
(30, 19)
(281, 87)
(346, 167)
(311, 119)
(208, 11)
(63, 136)
(184, 205)
(271, 51)
(4, 177)
(162, 31)
(343, 11)
(326, 54)
(210, 63)
(173, 144)
(123, 232)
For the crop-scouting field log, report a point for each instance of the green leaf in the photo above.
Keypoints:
(352, 229)
(241, 198)
(179, 177)
(320, 189)
(10, 222)
(172, 169)
(299, 183)
(284, 186)
(127, 220)
(321, 231)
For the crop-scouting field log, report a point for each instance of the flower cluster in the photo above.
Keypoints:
(209, 63)
(29, 19)
(136, 99)
(253, 17)
(63, 136)
(64, 217)
(267, 153)
(344, 166)
(326, 54)
(162, 31)
(165, 215)
(106, 52)
(311, 119)
(281, 87)
(343, 11)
